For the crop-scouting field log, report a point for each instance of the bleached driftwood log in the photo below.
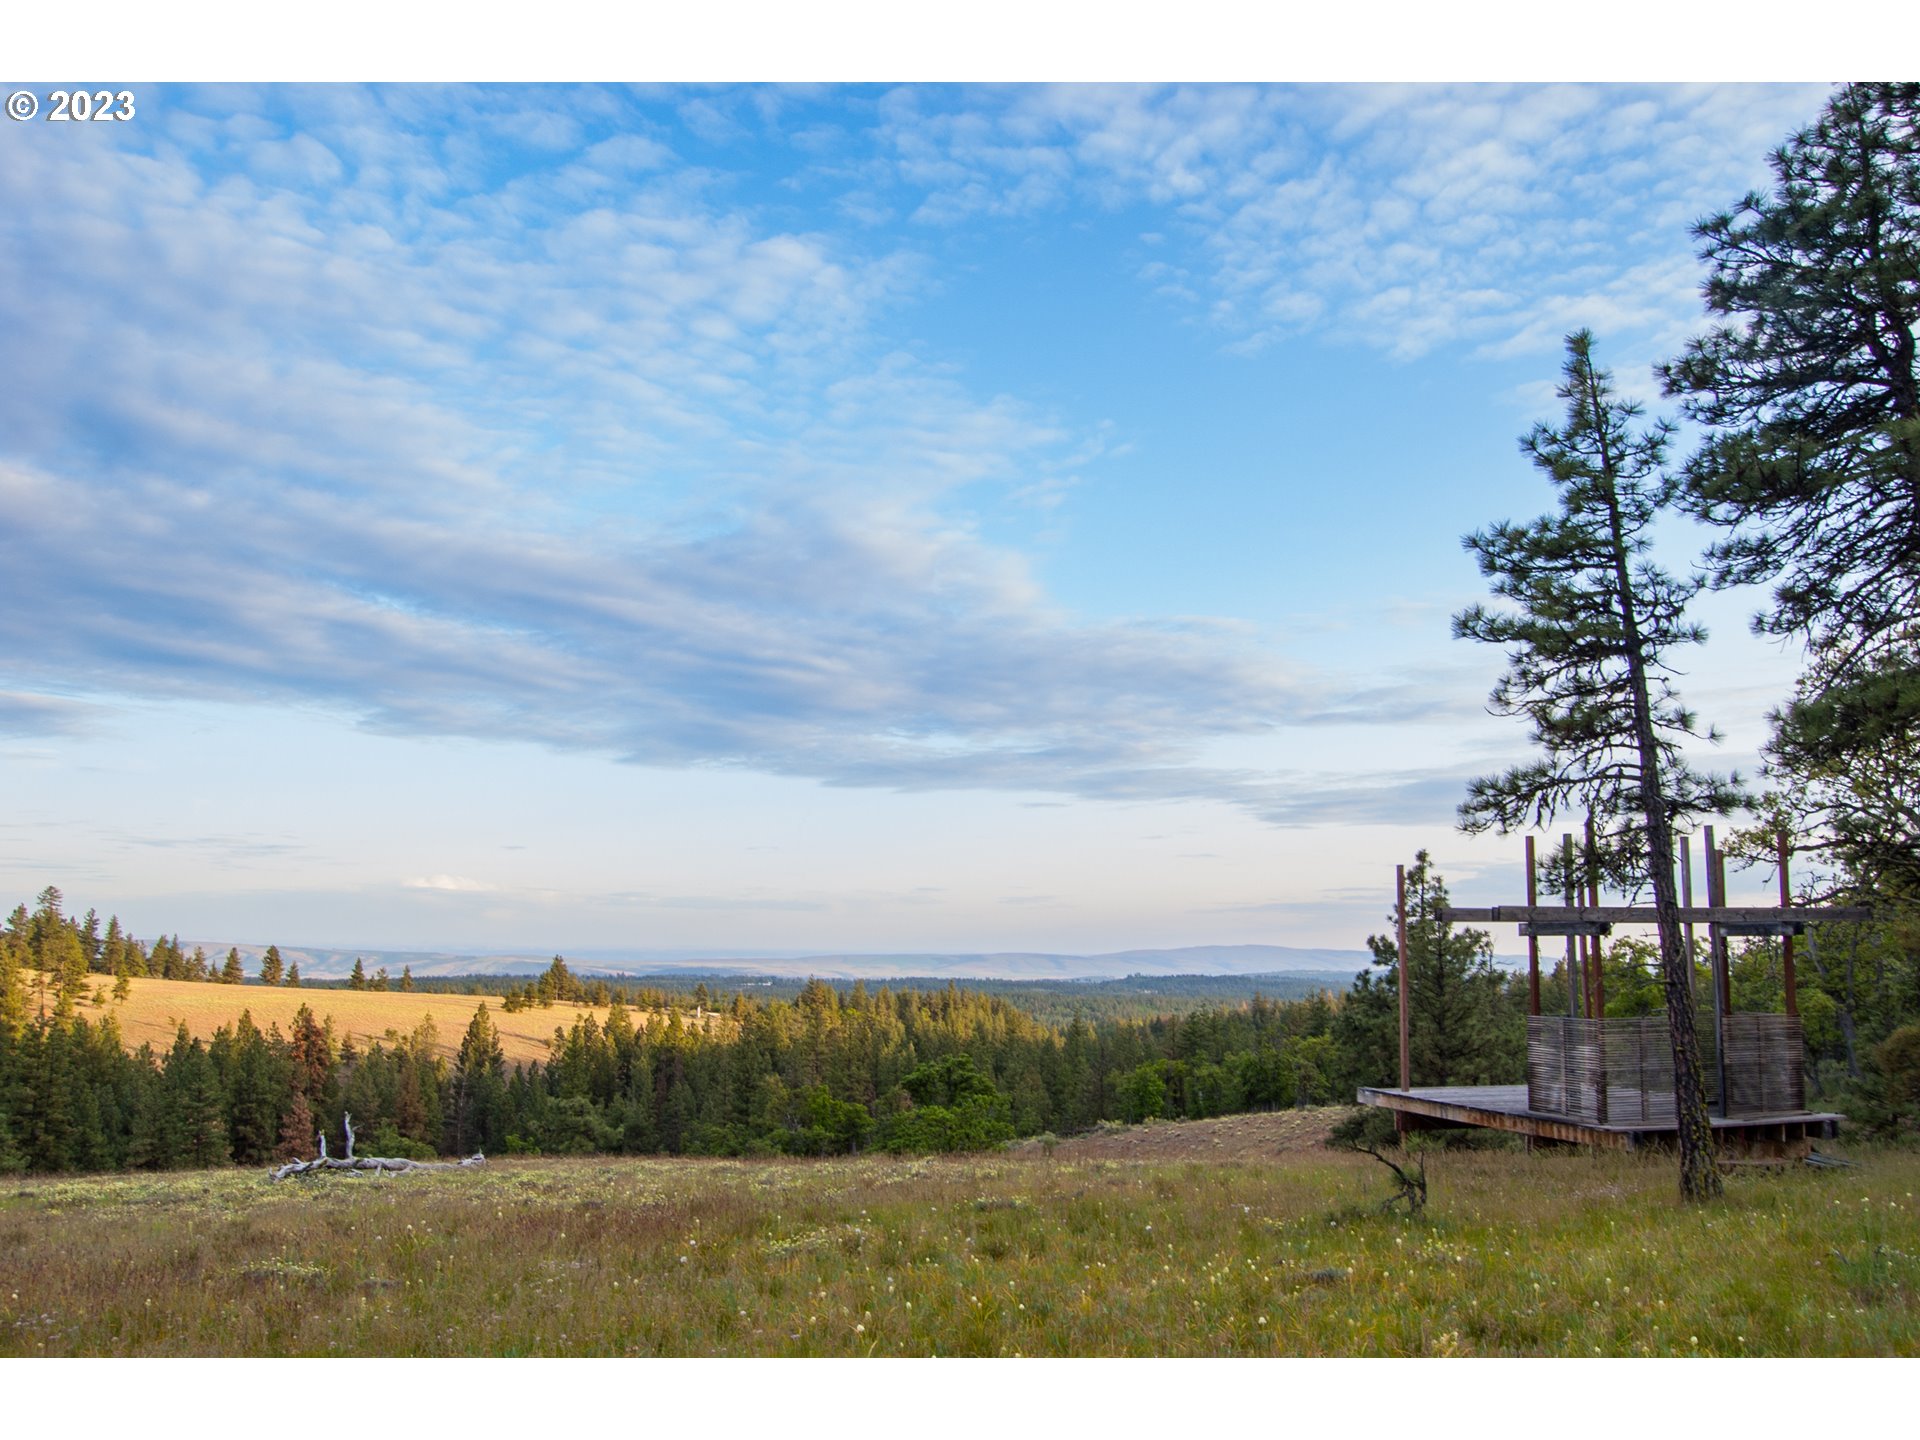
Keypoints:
(375, 1164)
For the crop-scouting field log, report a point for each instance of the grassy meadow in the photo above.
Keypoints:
(1035, 1252)
(154, 1010)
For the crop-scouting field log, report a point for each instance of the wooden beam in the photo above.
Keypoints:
(1544, 1127)
(1645, 914)
(1457, 1104)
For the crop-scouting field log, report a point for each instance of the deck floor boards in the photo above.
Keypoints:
(1504, 1107)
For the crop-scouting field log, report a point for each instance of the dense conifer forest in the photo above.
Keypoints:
(827, 1069)
(1052, 1002)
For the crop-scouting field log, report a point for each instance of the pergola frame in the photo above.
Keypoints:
(1582, 920)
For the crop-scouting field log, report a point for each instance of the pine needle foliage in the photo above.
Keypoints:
(1812, 382)
(1589, 640)
(1587, 667)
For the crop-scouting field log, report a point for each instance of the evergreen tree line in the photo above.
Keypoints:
(832, 1070)
(67, 955)
(846, 1069)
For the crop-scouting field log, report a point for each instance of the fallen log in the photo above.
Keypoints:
(364, 1164)
(375, 1163)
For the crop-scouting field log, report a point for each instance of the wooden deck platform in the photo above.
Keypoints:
(1504, 1107)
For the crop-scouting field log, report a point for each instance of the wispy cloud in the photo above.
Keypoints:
(455, 884)
(502, 414)
(24, 716)
(535, 439)
(1399, 217)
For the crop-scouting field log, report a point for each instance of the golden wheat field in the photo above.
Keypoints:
(154, 1010)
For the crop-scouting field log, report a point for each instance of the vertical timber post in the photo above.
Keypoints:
(1400, 929)
(1726, 944)
(1575, 979)
(1716, 895)
(1786, 941)
(1533, 941)
(1686, 887)
(1599, 1007)
(1400, 916)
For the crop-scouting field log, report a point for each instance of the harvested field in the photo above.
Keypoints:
(154, 1010)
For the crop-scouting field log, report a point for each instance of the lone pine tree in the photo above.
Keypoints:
(1587, 668)
(1460, 1030)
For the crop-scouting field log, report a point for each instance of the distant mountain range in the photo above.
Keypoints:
(325, 964)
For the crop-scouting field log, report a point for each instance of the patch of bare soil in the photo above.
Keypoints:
(1254, 1136)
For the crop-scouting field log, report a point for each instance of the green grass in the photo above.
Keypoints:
(1564, 1254)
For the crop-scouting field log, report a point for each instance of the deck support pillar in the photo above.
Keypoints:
(1786, 941)
(1533, 941)
(1716, 968)
(1400, 917)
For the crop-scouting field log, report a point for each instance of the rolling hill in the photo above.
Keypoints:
(154, 1010)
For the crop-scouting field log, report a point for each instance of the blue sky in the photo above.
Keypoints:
(873, 517)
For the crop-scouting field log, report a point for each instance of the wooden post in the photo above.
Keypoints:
(1575, 979)
(1533, 941)
(1786, 941)
(1716, 895)
(1726, 945)
(1400, 913)
(1686, 887)
(1599, 1007)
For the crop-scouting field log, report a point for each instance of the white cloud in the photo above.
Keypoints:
(629, 474)
(482, 413)
(1396, 216)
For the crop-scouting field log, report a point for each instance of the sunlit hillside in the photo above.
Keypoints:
(154, 1010)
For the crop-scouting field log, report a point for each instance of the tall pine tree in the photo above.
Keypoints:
(1588, 668)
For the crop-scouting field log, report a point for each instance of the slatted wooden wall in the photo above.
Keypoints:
(1766, 1065)
(1620, 1071)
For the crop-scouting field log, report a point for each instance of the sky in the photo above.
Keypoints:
(733, 518)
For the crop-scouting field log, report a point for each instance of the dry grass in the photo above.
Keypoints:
(1518, 1254)
(1253, 1136)
(154, 1009)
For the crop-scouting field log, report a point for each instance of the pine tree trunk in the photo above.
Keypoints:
(1699, 1173)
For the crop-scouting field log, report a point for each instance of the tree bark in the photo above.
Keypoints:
(1699, 1174)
